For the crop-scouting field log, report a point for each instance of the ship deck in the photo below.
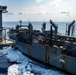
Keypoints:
(6, 42)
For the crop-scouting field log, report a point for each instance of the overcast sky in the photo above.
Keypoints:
(39, 10)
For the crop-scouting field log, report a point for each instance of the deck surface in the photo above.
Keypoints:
(6, 43)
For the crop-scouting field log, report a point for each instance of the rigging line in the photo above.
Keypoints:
(3, 55)
(63, 54)
(70, 50)
(3, 61)
(56, 57)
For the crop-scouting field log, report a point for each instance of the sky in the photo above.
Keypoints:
(39, 10)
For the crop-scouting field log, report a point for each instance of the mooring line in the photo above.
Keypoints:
(3, 55)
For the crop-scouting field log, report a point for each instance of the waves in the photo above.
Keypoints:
(24, 65)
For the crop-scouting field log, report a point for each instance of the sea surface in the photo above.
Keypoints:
(38, 26)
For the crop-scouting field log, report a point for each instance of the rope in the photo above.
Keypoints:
(56, 57)
(70, 50)
(3, 55)
(2, 61)
(63, 54)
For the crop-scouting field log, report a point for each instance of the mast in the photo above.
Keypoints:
(2, 10)
(43, 26)
(69, 27)
(30, 27)
(55, 27)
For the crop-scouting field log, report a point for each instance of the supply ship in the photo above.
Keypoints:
(47, 46)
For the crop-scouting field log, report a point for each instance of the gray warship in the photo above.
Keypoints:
(47, 46)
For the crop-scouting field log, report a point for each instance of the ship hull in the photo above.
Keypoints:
(49, 55)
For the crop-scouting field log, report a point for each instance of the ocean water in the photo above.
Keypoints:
(26, 66)
(38, 25)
